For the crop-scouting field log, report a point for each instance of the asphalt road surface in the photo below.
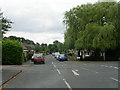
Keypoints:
(67, 74)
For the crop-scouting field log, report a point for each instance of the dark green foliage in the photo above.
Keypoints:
(29, 56)
(12, 52)
(21, 39)
(0, 49)
(5, 24)
(24, 58)
(92, 26)
(50, 48)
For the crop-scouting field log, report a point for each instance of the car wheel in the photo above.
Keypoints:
(43, 62)
(34, 62)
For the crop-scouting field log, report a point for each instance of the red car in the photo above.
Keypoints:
(39, 59)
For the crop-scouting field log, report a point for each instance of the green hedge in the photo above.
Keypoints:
(0, 50)
(12, 52)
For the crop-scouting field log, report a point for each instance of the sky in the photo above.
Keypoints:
(38, 20)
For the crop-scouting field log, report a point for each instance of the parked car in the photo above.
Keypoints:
(56, 54)
(39, 59)
(53, 54)
(62, 57)
(34, 55)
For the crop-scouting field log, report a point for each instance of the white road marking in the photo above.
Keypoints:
(115, 67)
(95, 72)
(58, 71)
(75, 73)
(76, 70)
(114, 79)
(106, 66)
(89, 70)
(103, 65)
(67, 84)
(110, 66)
(55, 66)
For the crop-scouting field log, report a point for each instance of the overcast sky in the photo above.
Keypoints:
(38, 20)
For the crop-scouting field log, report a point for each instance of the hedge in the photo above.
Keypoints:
(12, 52)
(0, 51)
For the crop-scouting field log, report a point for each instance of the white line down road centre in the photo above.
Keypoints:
(75, 73)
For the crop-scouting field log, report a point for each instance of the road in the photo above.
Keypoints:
(67, 74)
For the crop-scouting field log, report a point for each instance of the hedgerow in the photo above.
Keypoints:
(12, 52)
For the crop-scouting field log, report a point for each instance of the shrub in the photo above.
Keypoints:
(12, 52)
(0, 51)
(24, 57)
(29, 56)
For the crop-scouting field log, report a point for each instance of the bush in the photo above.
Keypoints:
(12, 52)
(0, 51)
(29, 56)
(71, 54)
(25, 58)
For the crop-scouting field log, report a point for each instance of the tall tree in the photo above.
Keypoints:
(93, 26)
(5, 24)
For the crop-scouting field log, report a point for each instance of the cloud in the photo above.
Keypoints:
(41, 18)
(39, 37)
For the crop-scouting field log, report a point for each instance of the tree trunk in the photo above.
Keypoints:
(97, 54)
(104, 56)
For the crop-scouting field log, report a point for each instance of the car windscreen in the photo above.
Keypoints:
(39, 56)
(62, 55)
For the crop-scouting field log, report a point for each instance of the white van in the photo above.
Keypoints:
(56, 54)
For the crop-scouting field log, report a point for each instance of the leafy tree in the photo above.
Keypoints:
(5, 23)
(92, 26)
(37, 47)
(43, 47)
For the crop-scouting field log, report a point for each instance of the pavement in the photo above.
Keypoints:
(67, 74)
(8, 72)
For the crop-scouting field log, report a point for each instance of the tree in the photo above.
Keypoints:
(37, 47)
(92, 26)
(43, 47)
(5, 23)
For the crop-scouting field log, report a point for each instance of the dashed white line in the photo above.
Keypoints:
(55, 66)
(89, 70)
(115, 67)
(114, 79)
(110, 66)
(102, 65)
(58, 71)
(75, 73)
(76, 70)
(106, 66)
(67, 84)
(85, 69)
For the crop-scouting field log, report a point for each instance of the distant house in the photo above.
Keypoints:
(28, 49)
